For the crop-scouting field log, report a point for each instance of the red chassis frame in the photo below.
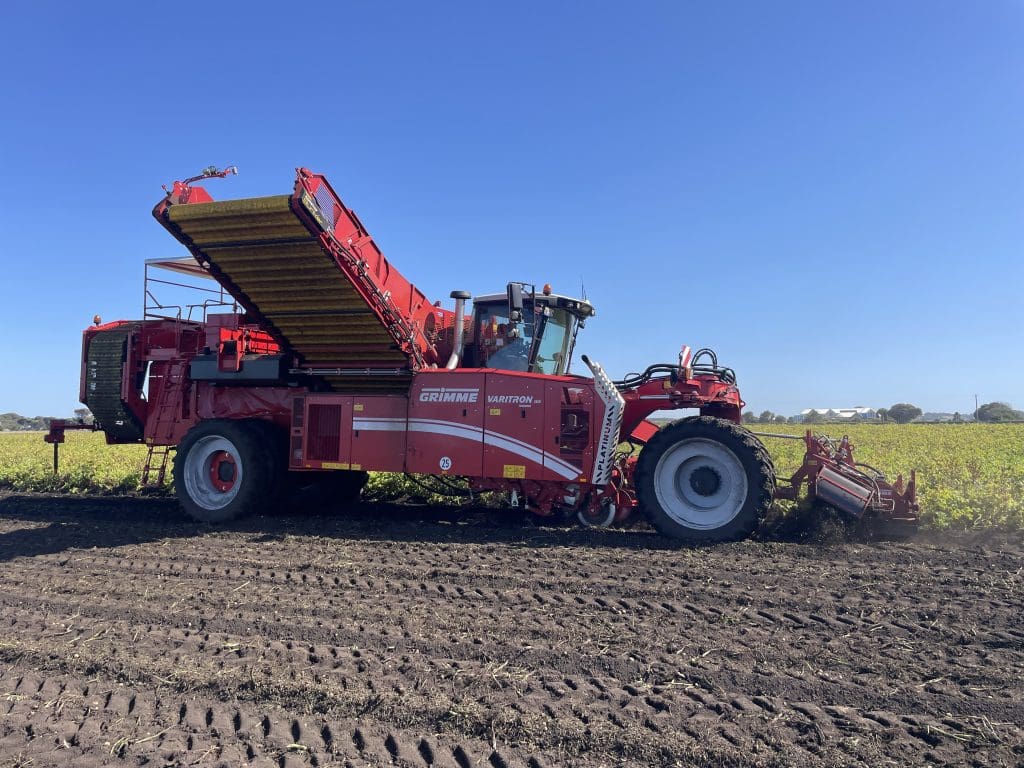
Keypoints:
(531, 434)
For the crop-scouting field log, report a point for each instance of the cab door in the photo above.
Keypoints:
(514, 426)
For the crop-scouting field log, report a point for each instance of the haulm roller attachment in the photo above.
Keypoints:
(861, 493)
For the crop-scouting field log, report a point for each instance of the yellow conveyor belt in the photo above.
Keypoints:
(269, 260)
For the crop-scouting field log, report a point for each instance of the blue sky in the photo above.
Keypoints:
(829, 194)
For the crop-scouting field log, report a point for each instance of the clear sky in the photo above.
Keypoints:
(829, 194)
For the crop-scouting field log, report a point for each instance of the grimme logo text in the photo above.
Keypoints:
(520, 400)
(448, 395)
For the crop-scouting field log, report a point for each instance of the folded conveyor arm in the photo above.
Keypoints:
(306, 269)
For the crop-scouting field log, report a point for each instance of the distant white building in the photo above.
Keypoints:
(860, 413)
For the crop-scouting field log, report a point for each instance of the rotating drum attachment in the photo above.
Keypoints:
(857, 490)
(847, 494)
(860, 491)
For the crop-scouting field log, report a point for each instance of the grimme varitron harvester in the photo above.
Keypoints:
(320, 362)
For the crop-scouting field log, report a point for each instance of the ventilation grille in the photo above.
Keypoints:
(323, 433)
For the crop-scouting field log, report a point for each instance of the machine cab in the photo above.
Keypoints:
(525, 331)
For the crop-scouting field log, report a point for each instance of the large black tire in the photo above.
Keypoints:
(704, 479)
(276, 441)
(224, 469)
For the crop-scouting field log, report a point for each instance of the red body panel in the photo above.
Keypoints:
(327, 432)
(470, 423)
(378, 449)
(514, 445)
(492, 424)
(446, 421)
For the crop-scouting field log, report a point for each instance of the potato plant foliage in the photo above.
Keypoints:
(970, 475)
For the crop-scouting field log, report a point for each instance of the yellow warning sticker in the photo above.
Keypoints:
(495, 412)
(334, 465)
(357, 407)
(515, 471)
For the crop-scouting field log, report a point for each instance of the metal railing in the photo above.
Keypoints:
(208, 297)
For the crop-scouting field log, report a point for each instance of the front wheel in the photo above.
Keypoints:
(704, 479)
(223, 469)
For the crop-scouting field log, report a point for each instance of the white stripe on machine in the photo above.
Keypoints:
(474, 434)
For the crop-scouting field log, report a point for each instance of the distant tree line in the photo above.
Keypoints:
(999, 412)
(900, 413)
(766, 417)
(991, 413)
(15, 422)
(11, 422)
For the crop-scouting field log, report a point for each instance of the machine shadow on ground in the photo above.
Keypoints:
(58, 523)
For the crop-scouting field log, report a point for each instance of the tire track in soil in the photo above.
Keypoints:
(415, 641)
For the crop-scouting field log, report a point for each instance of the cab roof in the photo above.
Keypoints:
(579, 307)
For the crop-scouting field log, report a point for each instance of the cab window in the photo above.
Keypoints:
(497, 350)
(554, 338)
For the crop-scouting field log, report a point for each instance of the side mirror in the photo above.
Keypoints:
(515, 302)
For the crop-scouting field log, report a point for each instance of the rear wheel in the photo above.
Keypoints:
(223, 469)
(704, 479)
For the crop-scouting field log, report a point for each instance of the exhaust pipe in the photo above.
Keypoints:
(460, 328)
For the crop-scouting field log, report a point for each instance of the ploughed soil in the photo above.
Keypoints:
(391, 635)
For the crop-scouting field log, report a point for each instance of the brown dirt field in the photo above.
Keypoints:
(392, 635)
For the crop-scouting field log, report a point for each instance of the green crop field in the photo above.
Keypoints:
(87, 464)
(969, 475)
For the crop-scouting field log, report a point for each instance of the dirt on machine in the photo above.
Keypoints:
(310, 360)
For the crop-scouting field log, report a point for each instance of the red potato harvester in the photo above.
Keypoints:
(313, 361)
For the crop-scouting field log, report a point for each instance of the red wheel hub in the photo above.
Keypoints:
(223, 471)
